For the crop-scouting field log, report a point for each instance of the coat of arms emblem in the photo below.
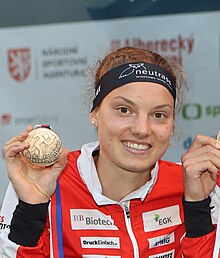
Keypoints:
(19, 63)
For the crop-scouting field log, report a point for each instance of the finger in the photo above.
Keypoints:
(21, 137)
(196, 170)
(205, 153)
(203, 163)
(62, 160)
(13, 150)
(202, 140)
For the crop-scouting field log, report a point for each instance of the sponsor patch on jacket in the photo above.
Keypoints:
(91, 219)
(161, 218)
(99, 256)
(161, 240)
(169, 254)
(3, 225)
(100, 242)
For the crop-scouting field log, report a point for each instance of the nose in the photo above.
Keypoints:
(141, 126)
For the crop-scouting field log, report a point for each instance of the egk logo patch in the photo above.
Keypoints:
(161, 218)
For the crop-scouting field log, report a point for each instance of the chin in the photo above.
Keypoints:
(137, 169)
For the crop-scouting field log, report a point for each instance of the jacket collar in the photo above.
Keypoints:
(88, 173)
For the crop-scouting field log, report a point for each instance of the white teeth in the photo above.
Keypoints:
(137, 146)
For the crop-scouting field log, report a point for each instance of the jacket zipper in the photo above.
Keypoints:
(126, 210)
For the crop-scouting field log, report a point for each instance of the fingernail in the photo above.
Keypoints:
(218, 145)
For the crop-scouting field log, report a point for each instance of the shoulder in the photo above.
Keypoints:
(170, 171)
(71, 167)
(73, 155)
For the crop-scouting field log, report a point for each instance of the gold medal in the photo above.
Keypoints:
(45, 147)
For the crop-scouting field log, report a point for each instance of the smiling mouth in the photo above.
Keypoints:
(135, 146)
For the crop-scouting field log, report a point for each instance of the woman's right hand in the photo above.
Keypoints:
(32, 184)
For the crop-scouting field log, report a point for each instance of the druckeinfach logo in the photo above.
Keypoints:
(100, 242)
(19, 63)
(91, 219)
(141, 71)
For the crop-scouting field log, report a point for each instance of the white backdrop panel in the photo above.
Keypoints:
(44, 70)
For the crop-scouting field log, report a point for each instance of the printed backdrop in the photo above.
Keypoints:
(46, 69)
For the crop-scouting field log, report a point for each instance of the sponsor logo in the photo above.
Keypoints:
(161, 218)
(169, 254)
(195, 111)
(99, 256)
(98, 90)
(161, 240)
(19, 63)
(2, 224)
(61, 62)
(2, 218)
(141, 72)
(6, 119)
(173, 47)
(162, 221)
(100, 242)
(90, 219)
(187, 143)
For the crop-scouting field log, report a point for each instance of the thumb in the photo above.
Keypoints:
(61, 162)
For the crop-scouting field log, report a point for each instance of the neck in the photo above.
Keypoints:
(117, 182)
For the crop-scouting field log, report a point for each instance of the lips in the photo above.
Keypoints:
(136, 146)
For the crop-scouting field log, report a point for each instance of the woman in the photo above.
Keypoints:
(115, 197)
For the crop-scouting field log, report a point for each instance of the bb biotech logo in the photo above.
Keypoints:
(91, 219)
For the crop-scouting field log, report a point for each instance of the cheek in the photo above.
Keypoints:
(165, 135)
(164, 141)
(111, 124)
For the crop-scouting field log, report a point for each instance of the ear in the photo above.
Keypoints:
(94, 115)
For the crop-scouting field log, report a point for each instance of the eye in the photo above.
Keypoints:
(124, 110)
(160, 115)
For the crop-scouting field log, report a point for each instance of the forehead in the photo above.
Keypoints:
(147, 91)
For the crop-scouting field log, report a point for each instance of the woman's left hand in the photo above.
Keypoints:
(201, 165)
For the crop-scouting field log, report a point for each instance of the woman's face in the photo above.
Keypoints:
(134, 123)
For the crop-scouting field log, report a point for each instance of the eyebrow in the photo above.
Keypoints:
(132, 103)
(125, 99)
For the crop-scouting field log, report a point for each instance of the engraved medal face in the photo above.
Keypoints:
(45, 147)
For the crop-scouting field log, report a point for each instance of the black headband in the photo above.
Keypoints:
(132, 72)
